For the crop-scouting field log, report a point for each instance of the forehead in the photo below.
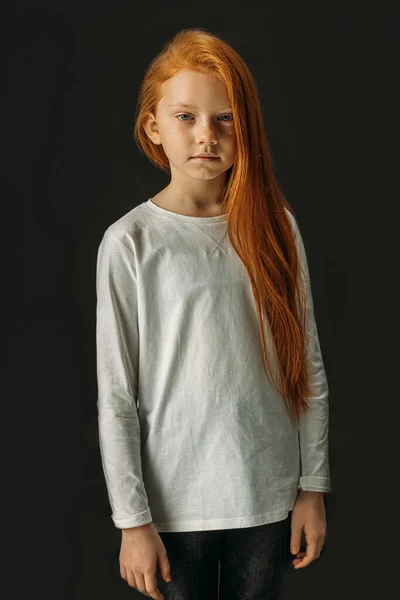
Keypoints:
(192, 89)
(195, 107)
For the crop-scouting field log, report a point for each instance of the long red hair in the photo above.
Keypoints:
(259, 227)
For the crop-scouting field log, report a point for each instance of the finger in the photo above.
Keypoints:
(123, 572)
(295, 541)
(310, 556)
(304, 561)
(140, 585)
(298, 558)
(130, 578)
(151, 586)
(300, 555)
(320, 547)
(132, 581)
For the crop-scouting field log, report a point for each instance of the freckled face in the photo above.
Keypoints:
(194, 116)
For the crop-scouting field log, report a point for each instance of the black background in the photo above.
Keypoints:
(326, 79)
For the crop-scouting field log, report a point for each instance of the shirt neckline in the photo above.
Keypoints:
(187, 218)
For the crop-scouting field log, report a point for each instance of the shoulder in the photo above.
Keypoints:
(291, 216)
(127, 230)
(293, 221)
(298, 239)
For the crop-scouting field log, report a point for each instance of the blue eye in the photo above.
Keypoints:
(186, 115)
(227, 116)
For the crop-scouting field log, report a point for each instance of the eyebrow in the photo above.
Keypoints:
(188, 105)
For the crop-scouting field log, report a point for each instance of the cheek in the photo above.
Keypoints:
(177, 133)
(174, 140)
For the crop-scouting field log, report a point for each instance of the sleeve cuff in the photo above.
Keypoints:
(315, 484)
(142, 518)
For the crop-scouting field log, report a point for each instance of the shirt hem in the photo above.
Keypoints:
(236, 523)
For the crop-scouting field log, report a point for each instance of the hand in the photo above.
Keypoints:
(141, 551)
(308, 515)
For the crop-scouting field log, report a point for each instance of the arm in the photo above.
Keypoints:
(117, 346)
(313, 426)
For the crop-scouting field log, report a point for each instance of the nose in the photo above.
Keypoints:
(206, 133)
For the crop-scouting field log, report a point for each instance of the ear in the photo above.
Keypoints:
(151, 128)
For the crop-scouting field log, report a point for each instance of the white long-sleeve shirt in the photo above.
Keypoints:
(192, 434)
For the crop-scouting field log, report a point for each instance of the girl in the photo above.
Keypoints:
(212, 393)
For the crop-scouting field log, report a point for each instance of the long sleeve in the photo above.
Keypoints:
(313, 426)
(117, 349)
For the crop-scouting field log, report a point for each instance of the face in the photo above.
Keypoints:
(205, 125)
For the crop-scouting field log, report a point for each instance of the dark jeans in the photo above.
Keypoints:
(231, 564)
